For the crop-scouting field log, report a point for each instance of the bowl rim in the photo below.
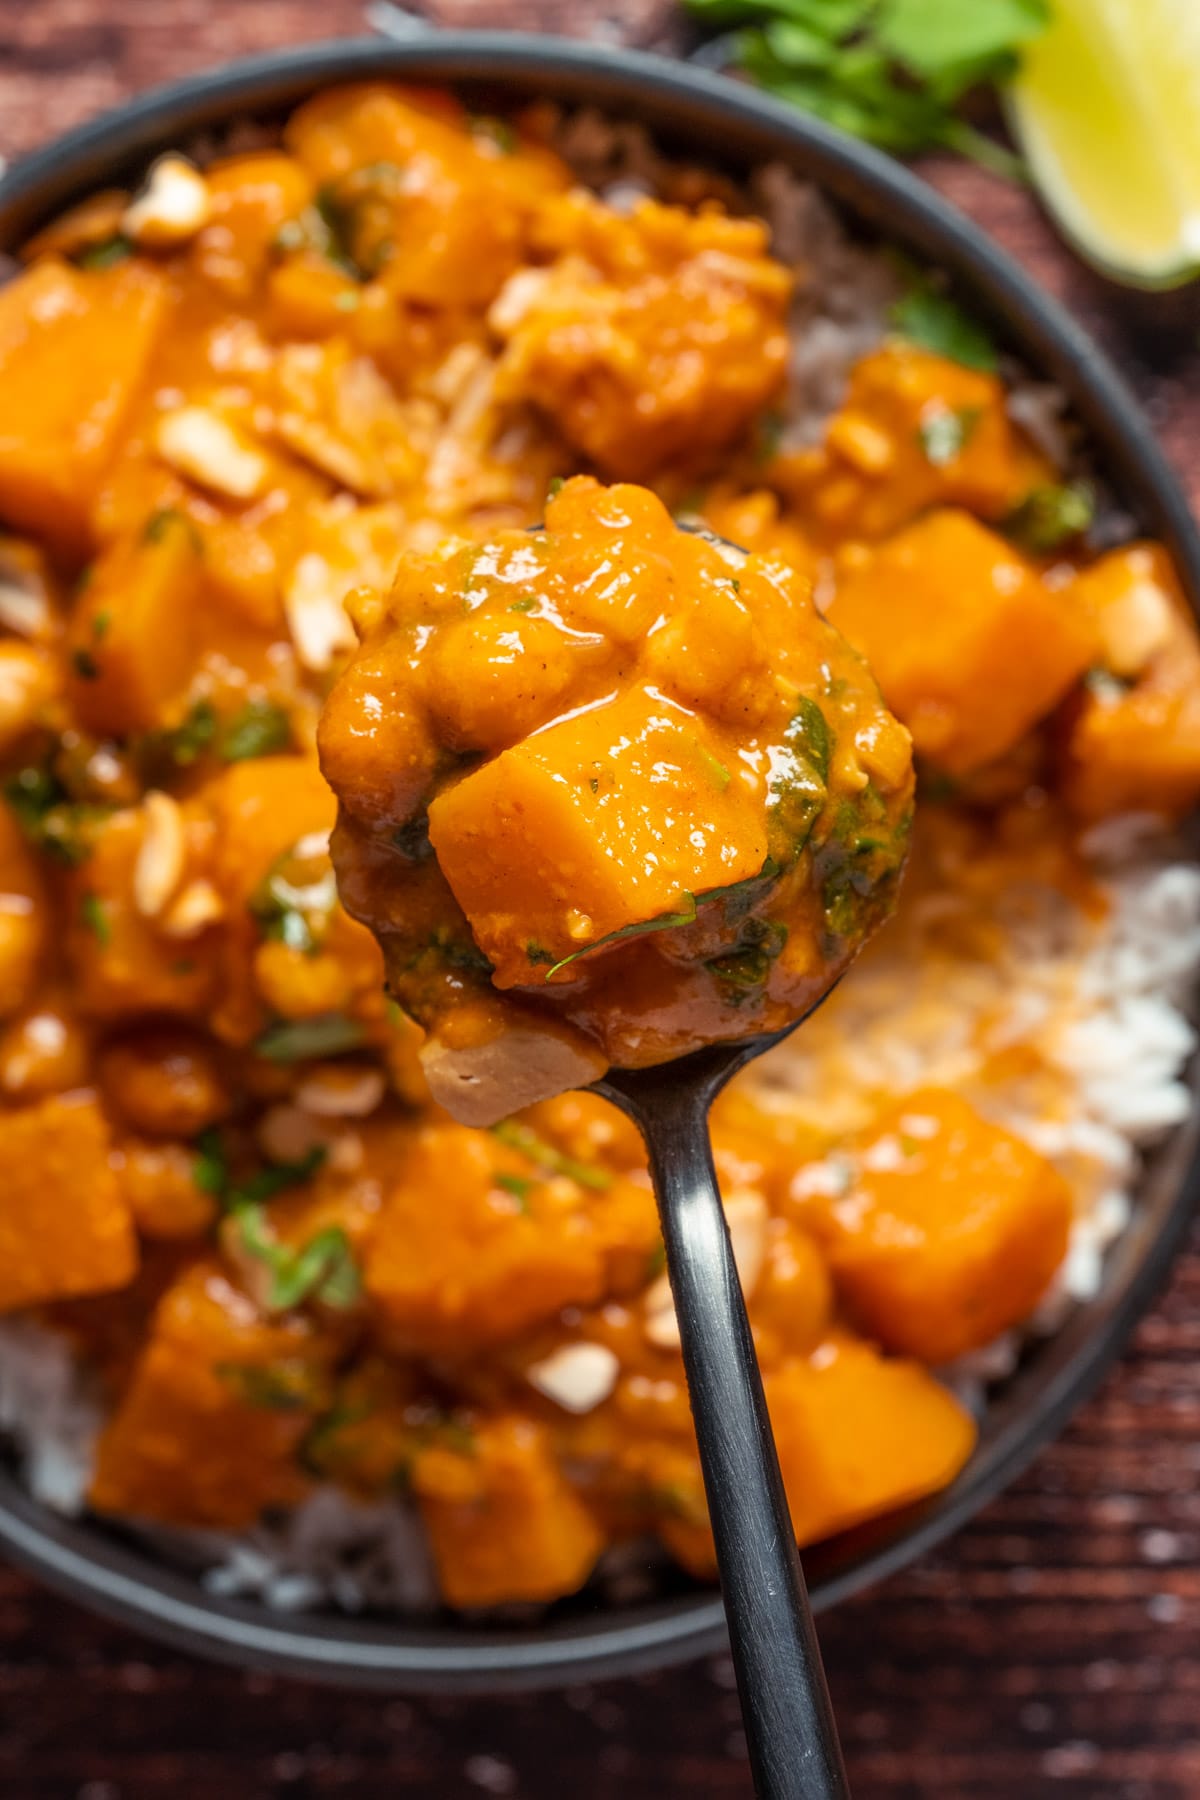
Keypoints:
(724, 121)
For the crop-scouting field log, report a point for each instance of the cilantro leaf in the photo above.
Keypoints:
(931, 319)
(322, 1269)
(1050, 516)
(663, 922)
(931, 38)
(294, 1040)
(260, 729)
(545, 1156)
(944, 433)
(889, 71)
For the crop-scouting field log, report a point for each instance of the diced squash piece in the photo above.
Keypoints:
(504, 1523)
(916, 430)
(64, 1227)
(604, 822)
(1133, 742)
(73, 351)
(207, 1431)
(860, 1435)
(482, 1237)
(424, 202)
(250, 199)
(121, 961)
(264, 807)
(968, 644)
(133, 639)
(950, 1232)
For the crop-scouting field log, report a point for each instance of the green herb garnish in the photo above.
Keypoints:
(260, 729)
(808, 734)
(100, 624)
(546, 1156)
(890, 71)
(944, 433)
(412, 839)
(518, 1186)
(105, 255)
(295, 1040)
(931, 319)
(48, 817)
(323, 1269)
(537, 953)
(274, 1387)
(210, 1171)
(191, 737)
(1050, 517)
(95, 917)
(523, 606)
(85, 665)
(664, 922)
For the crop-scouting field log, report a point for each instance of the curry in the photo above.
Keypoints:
(608, 793)
(244, 391)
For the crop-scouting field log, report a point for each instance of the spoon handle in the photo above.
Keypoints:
(790, 1728)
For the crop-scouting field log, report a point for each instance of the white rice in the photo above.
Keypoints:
(1102, 1002)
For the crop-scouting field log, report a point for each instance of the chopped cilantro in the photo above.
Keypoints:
(287, 1386)
(95, 917)
(546, 1156)
(1050, 516)
(944, 433)
(210, 1171)
(260, 729)
(517, 1185)
(322, 1269)
(928, 317)
(664, 922)
(294, 1040)
(104, 255)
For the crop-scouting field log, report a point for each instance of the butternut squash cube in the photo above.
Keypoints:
(603, 822)
(511, 1240)
(950, 1232)
(133, 641)
(860, 1435)
(64, 1227)
(966, 641)
(1133, 742)
(504, 1523)
(74, 346)
(206, 1433)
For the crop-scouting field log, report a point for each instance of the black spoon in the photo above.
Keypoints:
(790, 1728)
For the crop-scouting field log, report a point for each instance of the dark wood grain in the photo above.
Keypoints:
(1052, 1652)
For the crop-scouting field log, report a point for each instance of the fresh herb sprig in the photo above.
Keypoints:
(891, 71)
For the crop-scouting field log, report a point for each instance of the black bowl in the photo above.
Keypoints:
(710, 121)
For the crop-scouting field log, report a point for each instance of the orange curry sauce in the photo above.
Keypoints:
(230, 400)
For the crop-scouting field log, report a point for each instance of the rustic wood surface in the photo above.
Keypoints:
(1053, 1650)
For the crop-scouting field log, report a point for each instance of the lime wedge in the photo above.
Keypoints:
(1107, 110)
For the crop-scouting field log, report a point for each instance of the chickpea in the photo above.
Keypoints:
(492, 679)
(378, 757)
(158, 1183)
(28, 680)
(165, 1082)
(43, 1052)
(298, 986)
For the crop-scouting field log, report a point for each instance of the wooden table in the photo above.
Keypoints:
(1052, 1652)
